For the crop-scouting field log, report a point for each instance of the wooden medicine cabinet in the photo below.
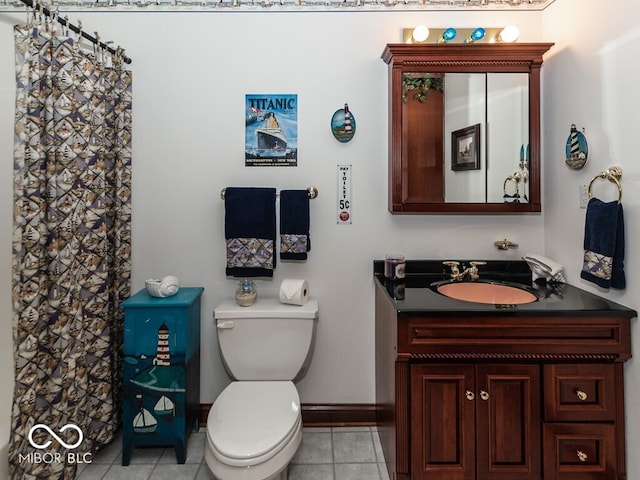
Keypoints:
(464, 128)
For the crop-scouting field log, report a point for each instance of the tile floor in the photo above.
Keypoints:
(344, 453)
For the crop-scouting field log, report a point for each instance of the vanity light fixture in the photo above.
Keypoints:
(423, 34)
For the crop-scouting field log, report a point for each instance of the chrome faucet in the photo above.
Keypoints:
(458, 275)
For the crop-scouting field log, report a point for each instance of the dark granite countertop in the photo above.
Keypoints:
(413, 296)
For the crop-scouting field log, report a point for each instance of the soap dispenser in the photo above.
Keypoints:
(246, 293)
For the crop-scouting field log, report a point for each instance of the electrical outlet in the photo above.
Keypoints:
(584, 196)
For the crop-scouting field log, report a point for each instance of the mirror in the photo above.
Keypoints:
(464, 128)
(497, 104)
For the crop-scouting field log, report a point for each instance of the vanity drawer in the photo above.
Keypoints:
(579, 393)
(578, 451)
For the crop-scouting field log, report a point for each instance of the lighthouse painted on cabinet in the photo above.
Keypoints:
(161, 390)
(163, 355)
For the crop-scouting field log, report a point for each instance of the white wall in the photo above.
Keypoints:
(590, 79)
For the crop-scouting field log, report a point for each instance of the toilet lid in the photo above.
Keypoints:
(249, 419)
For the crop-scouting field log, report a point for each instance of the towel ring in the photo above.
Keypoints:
(613, 174)
(311, 191)
(515, 178)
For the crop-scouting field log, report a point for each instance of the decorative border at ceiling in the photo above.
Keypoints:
(285, 5)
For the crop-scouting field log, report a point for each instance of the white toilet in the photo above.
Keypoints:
(255, 426)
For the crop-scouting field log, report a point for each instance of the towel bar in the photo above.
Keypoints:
(613, 174)
(311, 191)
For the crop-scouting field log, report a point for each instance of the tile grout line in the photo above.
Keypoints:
(333, 455)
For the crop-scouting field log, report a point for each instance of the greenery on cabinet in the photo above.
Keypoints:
(420, 85)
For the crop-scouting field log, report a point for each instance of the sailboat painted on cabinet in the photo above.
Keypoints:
(164, 406)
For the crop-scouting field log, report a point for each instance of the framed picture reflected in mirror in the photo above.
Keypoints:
(465, 148)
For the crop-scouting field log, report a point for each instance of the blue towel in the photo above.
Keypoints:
(604, 244)
(294, 225)
(250, 231)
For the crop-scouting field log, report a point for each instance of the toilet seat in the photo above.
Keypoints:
(251, 421)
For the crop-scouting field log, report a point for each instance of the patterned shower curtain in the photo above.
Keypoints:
(71, 251)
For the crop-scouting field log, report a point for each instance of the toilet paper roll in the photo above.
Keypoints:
(294, 291)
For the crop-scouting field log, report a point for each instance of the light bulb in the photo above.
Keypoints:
(420, 33)
(448, 35)
(476, 35)
(509, 34)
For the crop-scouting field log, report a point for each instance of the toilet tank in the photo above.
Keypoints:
(266, 341)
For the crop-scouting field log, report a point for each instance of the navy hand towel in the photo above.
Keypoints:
(294, 225)
(250, 231)
(604, 244)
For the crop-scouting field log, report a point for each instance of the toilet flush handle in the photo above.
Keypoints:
(225, 324)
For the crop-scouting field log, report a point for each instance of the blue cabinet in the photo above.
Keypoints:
(161, 376)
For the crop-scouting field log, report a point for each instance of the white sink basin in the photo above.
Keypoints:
(487, 292)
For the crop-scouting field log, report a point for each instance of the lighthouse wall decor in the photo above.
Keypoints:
(576, 149)
(161, 376)
(343, 124)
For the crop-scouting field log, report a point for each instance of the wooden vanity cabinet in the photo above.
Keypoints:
(501, 397)
(475, 421)
(583, 431)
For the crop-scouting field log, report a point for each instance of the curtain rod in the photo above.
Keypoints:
(41, 8)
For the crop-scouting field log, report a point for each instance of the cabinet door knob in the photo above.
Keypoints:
(582, 456)
(581, 395)
(484, 395)
(470, 395)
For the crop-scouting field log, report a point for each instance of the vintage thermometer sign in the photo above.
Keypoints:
(344, 194)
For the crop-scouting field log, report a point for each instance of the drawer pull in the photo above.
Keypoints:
(582, 456)
(484, 395)
(470, 395)
(581, 395)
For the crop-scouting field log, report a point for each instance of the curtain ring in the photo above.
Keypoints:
(96, 45)
(121, 58)
(31, 16)
(52, 23)
(39, 9)
(78, 36)
(108, 53)
(116, 58)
